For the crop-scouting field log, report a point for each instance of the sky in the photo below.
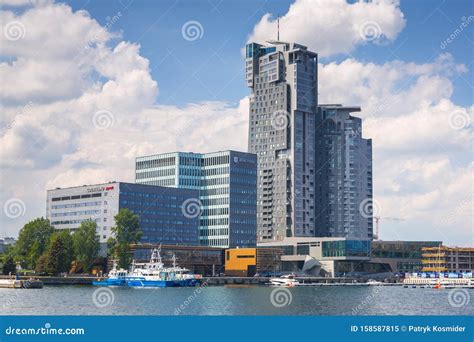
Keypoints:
(86, 86)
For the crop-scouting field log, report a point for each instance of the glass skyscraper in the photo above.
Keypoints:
(283, 107)
(226, 183)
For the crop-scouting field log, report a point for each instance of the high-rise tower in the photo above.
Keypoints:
(343, 174)
(283, 108)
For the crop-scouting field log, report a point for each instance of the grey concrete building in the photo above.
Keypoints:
(344, 206)
(283, 106)
(226, 186)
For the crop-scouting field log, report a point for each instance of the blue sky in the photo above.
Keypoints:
(63, 66)
(191, 71)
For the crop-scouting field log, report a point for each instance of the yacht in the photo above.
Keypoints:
(286, 280)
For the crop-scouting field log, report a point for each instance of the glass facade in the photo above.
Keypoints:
(159, 210)
(346, 248)
(161, 217)
(226, 184)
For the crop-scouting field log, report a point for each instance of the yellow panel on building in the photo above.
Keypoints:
(246, 262)
(240, 262)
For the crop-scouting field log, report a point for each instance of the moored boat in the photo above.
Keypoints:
(155, 274)
(285, 280)
(151, 274)
(116, 277)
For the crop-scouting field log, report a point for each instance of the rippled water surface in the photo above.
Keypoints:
(249, 300)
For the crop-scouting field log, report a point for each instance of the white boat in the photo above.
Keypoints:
(286, 280)
(373, 282)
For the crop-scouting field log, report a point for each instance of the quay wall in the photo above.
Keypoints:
(87, 280)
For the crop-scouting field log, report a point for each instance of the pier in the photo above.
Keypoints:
(21, 283)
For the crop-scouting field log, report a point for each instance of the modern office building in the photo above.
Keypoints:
(448, 259)
(162, 219)
(344, 206)
(283, 106)
(226, 186)
(400, 256)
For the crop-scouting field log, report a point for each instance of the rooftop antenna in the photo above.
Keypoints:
(278, 27)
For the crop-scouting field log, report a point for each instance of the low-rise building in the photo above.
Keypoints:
(400, 256)
(326, 256)
(160, 209)
(448, 259)
(206, 261)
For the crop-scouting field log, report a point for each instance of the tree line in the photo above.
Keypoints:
(49, 251)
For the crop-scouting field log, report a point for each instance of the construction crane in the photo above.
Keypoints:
(385, 218)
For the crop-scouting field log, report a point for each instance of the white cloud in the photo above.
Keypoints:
(333, 26)
(423, 170)
(51, 132)
(51, 57)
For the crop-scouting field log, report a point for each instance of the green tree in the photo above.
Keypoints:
(33, 241)
(126, 231)
(41, 265)
(86, 244)
(58, 257)
(9, 266)
(67, 253)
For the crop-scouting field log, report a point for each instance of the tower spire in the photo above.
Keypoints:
(278, 27)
